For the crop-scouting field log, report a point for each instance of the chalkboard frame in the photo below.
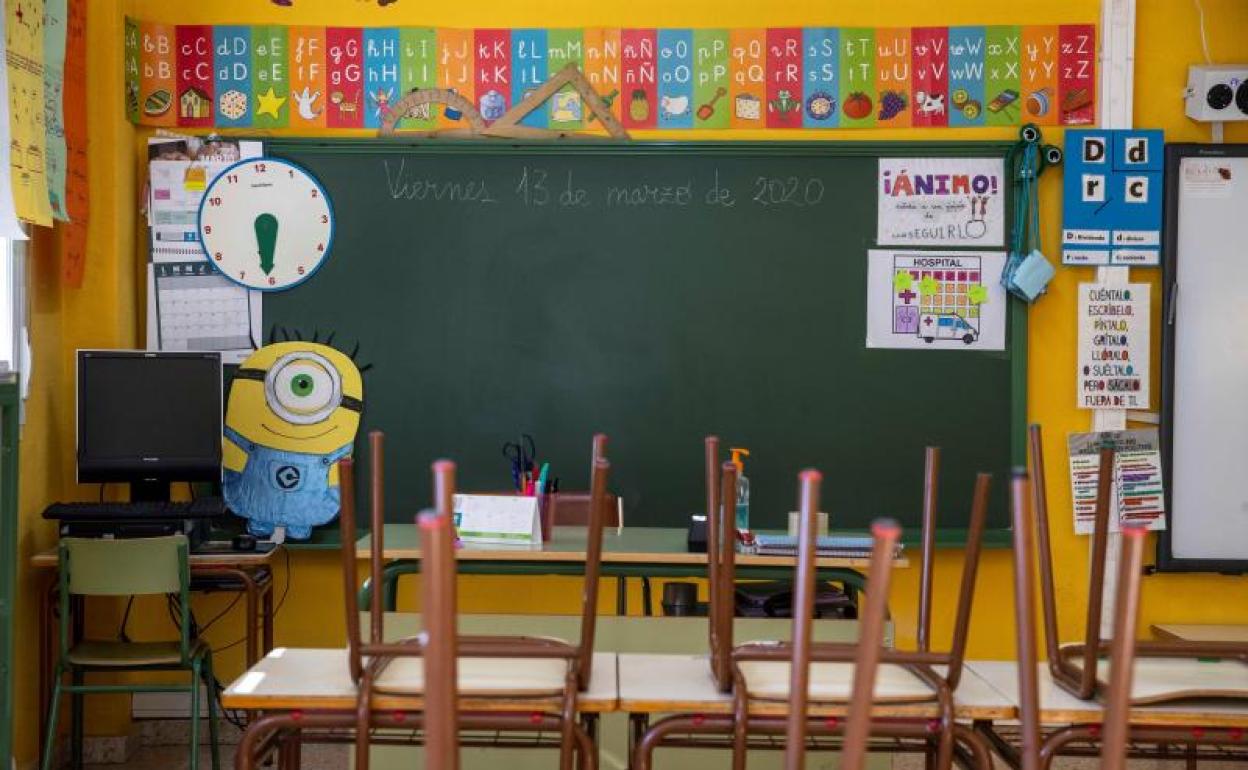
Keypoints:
(1017, 327)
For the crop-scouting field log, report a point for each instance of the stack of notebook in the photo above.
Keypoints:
(837, 546)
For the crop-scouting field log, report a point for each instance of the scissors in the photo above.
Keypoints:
(522, 454)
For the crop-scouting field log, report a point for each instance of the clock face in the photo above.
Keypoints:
(266, 224)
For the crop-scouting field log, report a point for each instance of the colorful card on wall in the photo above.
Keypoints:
(194, 79)
(784, 81)
(602, 66)
(307, 77)
(1113, 346)
(822, 49)
(748, 65)
(24, 50)
(941, 202)
(418, 68)
(1138, 495)
(493, 72)
(935, 300)
(710, 91)
(54, 21)
(637, 50)
(381, 74)
(892, 77)
(929, 107)
(783, 77)
(564, 47)
(1111, 201)
(231, 66)
(858, 78)
(270, 85)
(77, 199)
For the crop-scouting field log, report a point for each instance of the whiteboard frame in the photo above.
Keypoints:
(1175, 154)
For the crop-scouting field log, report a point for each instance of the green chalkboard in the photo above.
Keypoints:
(563, 289)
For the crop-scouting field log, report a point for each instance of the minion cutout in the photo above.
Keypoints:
(293, 413)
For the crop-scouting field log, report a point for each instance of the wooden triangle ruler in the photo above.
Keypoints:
(508, 126)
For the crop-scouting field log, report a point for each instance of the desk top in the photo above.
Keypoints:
(631, 545)
(1201, 633)
(669, 683)
(1060, 707)
(290, 678)
(197, 561)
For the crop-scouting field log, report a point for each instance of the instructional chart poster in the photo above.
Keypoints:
(1111, 203)
(1137, 497)
(941, 202)
(1113, 346)
(935, 300)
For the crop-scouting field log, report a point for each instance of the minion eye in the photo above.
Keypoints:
(303, 388)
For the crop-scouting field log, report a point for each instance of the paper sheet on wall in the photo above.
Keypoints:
(1137, 495)
(74, 99)
(191, 306)
(24, 55)
(1114, 349)
(935, 300)
(941, 202)
(55, 18)
(9, 225)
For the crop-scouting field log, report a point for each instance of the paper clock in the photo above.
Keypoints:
(266, 224)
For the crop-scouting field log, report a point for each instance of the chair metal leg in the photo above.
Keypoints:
(196, 671)
(647, 603)
(621, 596)
(78, 678)
(210, 681)
(54, 707)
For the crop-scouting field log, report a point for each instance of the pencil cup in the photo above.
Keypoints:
(821, 523)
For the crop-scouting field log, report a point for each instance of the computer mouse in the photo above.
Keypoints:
(244, 542)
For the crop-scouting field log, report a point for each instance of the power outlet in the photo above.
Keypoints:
(1217, 92)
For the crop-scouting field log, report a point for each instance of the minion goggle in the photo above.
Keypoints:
(302, 388)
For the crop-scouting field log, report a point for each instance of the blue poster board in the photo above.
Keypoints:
(1111, 202)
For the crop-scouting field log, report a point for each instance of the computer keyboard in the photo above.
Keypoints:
(202, 507)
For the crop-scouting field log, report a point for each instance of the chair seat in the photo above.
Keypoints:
(833, 682)
(522, 677)
(1158, 680)
(113, 654)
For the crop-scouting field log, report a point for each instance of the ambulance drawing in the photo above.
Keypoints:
(946, 326)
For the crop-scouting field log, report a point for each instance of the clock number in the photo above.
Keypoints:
(324, 218)
(301, 270)
(214, 201)
(315, 194)
(207, 229)
(320, 247)
(217, 256)
(231, 178)
(242, 274)
(291, 172)
(272, 281)
(259, 167)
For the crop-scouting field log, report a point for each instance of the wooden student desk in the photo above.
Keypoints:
(631, 552)
(248, 572)
(1153, 728)
(1201, 633)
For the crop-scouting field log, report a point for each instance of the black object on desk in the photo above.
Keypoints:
(697, 534)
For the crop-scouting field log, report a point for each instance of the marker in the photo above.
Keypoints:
(541, 479)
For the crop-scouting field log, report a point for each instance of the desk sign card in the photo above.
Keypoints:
(1137, 496)
(1113, 346)
(935, 300)
(1111, 204)
(505, 519)
(941, 202)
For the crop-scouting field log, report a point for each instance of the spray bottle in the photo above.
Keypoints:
(743, 490)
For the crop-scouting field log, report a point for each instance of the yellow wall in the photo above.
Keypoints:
(104, 311)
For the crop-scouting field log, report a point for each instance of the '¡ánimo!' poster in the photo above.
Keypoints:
(941, 202)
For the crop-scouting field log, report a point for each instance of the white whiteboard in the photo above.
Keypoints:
(1207, 405)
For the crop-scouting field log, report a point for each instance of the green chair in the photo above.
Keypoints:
(97, 567)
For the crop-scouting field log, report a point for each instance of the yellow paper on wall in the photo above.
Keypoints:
(23, 33)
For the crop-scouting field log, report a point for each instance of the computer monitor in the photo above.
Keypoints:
(148, 419)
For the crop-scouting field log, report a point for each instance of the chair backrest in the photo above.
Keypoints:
(1025, 622)
(970, 562)
(599, 478)
(350, 559)
(1122, 650)
(721, 547)
(440, 638)
(138, 566)
(885, 534)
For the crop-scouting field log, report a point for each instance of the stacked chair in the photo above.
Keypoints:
(1115, 728)
(512, 684)
(762, 673)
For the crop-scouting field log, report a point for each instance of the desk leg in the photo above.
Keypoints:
(621, 596)
(266, 611)
(637, 726)
(290, 751)
(251, 624)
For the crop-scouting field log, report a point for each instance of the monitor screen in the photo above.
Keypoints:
(149, 415)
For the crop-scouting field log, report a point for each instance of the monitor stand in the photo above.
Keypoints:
(149, 491)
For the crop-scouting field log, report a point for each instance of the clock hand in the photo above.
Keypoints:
(266, 240)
